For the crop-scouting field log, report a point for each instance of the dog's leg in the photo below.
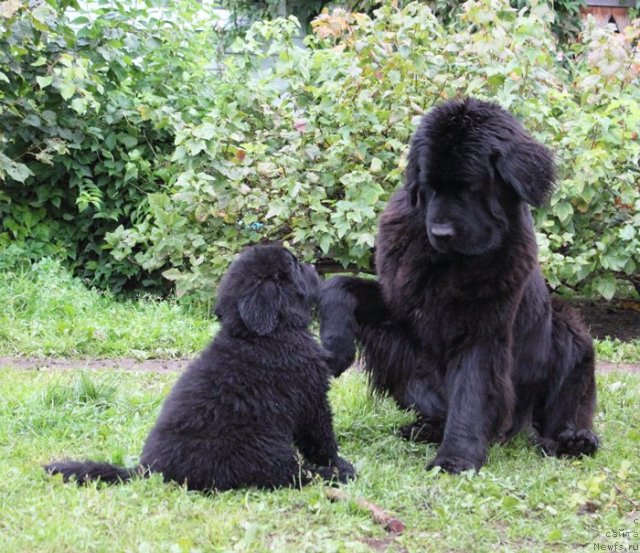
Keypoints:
(317, 443)
(353, 310)
(563, 416)
(565, 422)
(346, 305)
(287, 472)
(422, 394)
(339, 472)
(480, 402)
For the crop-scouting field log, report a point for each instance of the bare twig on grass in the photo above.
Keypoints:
(390, 523)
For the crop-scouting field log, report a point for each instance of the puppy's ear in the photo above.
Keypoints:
(260, 308)
(528, 168)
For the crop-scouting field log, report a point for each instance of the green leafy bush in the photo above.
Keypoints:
(306, 144)
(565, 22)
(593, 223)
(88, 112)
(309, 149)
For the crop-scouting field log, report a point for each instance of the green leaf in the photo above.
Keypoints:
(371, 193)
(206, 131)
(67, 90)
(172, 274)
(606, 286)
(110, 141)
(555, 535)
(129, 142)
(325, 243)
(564, 210)
(627, 232)
(79, 105)
(17, 171)
(44, 82)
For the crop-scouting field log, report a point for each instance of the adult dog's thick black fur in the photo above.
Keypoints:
(233, 417)
(459, 325)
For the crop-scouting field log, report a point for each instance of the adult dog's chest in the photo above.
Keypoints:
(447, 309)
(434, 312)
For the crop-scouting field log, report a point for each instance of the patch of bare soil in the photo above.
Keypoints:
(619, 320)
(172, 365)
(122, 364)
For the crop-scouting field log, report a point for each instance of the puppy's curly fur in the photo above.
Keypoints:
(233, 417)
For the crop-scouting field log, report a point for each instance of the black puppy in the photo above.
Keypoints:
(233, 417)
(459, 325)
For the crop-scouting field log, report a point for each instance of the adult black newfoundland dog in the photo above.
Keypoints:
(459, 325)
(233, 417)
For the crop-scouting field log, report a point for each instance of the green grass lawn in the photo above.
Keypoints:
(520, 501)
(46, 312)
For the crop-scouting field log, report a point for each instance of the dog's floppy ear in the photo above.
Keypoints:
(528, 168)
(416, 172)
(260, 308)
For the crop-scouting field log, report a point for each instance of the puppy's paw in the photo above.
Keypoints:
(453, 465)
(343, 470)
(576, 443)
(423, 430)
(339, 471)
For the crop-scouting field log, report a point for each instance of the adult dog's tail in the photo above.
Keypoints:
(87, 471)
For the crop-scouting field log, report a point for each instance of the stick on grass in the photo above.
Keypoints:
(390, 523)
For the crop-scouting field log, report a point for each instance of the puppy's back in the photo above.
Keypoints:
(233, 405)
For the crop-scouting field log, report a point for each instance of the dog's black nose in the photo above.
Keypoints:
(442, 230)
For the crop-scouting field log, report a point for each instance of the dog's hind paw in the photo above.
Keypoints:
(570, 443)
(576, 443)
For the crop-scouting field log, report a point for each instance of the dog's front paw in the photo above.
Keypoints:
(342, 353)
(576, 443)
(453, 465)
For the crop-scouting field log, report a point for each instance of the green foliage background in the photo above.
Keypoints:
(89, 108)
(130, 145)
(566, 25)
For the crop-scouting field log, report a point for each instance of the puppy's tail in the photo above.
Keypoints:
(87, 471)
